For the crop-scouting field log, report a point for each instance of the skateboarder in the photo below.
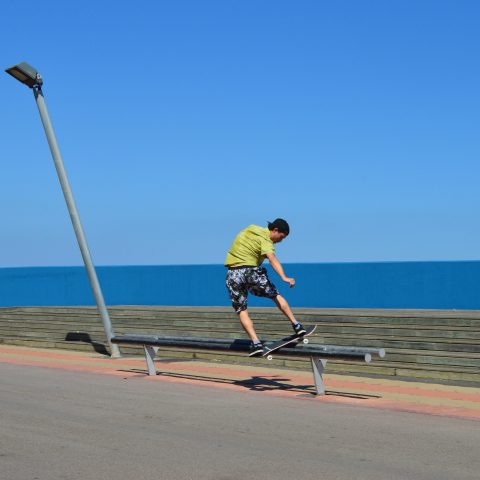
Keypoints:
(249, 249)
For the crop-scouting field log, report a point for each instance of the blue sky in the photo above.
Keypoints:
(182, 122)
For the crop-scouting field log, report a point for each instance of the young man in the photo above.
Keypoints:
(249, 249)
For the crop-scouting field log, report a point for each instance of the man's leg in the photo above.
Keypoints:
(284, 307)
(247, 325)
(261, 286)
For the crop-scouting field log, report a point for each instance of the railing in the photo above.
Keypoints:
(319, 354)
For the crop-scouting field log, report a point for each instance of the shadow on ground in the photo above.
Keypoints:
(259, 383)
(85, 338)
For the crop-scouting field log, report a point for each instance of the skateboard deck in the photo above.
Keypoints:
(290, 340)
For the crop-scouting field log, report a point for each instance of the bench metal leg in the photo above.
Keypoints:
(318, 367)
(150, 353)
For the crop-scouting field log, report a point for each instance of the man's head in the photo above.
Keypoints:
(279, 229)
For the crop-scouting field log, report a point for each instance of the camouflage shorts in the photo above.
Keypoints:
(255, 280)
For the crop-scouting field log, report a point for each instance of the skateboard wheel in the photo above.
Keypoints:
(269, 357)
(305, 340)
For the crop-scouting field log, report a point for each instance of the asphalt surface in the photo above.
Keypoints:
(58, 424)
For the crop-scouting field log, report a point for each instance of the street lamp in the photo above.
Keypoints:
(26, 74)
(29, 76)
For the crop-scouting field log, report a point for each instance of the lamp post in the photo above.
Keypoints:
(29, 76)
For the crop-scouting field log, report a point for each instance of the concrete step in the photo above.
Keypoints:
(420, 344)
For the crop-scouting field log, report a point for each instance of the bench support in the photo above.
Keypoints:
(318, 367)
(150, 353)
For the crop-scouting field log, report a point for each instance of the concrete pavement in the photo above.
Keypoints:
(69, 416)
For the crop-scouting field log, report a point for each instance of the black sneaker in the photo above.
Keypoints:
(255, 349)
(299, 330)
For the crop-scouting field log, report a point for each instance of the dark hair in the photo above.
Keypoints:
(280, 224)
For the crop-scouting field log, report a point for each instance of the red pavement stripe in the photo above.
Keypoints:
(60, 356)
(380, 403)
(76, 368)
(418, 391)
(132, 362)
(388, 404)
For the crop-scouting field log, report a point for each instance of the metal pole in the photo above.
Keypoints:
(77, 226)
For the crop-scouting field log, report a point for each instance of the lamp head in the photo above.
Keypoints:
(26, 74)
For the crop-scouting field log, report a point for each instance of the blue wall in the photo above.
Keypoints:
(432, 285)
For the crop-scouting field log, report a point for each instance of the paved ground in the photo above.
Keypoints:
(67, 415)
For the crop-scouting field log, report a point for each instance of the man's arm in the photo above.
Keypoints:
(276, 265)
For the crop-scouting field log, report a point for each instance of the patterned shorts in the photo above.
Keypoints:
(255, 280)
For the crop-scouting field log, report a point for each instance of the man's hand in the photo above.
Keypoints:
(291, 281)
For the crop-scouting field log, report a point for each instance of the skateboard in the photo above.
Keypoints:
(290, 340)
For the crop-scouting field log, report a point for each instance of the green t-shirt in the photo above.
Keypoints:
(250, 247)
